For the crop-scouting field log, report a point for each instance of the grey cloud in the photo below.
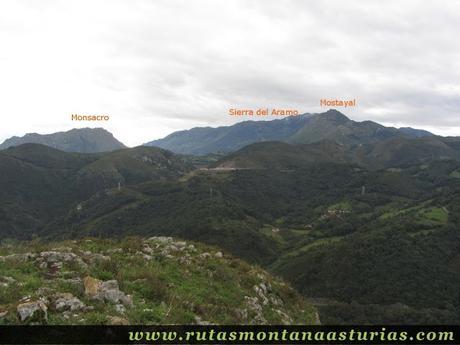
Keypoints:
(175, 64)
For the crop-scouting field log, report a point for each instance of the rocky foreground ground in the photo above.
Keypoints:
(140, 281)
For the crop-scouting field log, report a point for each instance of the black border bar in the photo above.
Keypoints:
(191, 334)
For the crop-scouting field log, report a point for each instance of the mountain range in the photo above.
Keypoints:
(301, 129)
(362, 219)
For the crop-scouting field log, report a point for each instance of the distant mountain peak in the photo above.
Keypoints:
(334, 115)
(85, 140)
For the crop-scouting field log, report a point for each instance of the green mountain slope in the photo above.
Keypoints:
(206, 140)
(393, 152)
(280, 155)
(37, 182)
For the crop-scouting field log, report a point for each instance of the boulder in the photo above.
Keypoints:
(147, 250)
(204, 255)
(97, 257)
(110, 292)
(144, 256)
(106, 291)
(120, 308)
(51, 258)
(92, 286)
(35, 311)
(181, 245)
(118, 321)
(67, 301)
(110, 285)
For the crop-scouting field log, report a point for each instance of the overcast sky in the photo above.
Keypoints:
(159, 66)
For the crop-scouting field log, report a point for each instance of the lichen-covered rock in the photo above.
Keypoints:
(180, 244)
(204, 255)
(18, 257)
(256, 309)
(261, 293)
(92, 286)
(51, 258)
(67, 301)
(120, 308)
(34, 311)
(147, 249)
(110, 292)
(146, 257)
(94, 258)
(106, 291)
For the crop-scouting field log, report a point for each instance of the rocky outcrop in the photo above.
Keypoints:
(56, 258)
(63, 286)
